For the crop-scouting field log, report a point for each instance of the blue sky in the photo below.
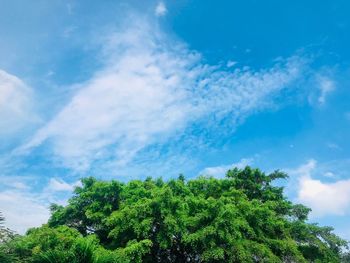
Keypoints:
(127, 90)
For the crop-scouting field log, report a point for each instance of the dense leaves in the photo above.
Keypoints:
(241, 218)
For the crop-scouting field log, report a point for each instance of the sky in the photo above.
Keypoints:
(129, 89)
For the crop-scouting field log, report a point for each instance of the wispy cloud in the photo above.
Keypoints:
(326, 85)
(152, 88)
(15, 182)
(220, 171)
(16, 105)
(160, 9)
(59, 185)
(231, 63)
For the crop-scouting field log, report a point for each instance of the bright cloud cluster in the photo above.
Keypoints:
(323, 198)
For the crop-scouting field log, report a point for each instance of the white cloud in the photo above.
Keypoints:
(326, 85)
(22, 210)
(325, 198)
(58, 185)
(151, 88)
(322, 197)
(220, 171)
(16, 105)
(303, 170)
(231, 63)
(329, 174)
(160, 9)
(16, 182)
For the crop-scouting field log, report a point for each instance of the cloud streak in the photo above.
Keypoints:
(151, 89)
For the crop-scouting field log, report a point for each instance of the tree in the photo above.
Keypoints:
(5, 236)
(241, 218)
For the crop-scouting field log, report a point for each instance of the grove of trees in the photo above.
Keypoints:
(243, 217)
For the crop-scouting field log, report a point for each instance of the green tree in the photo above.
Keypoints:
(63, 244)
(243, 217)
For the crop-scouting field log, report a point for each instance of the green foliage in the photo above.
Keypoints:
(241, 218)
(6, 235)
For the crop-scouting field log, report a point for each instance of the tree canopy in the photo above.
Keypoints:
(243, 217)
